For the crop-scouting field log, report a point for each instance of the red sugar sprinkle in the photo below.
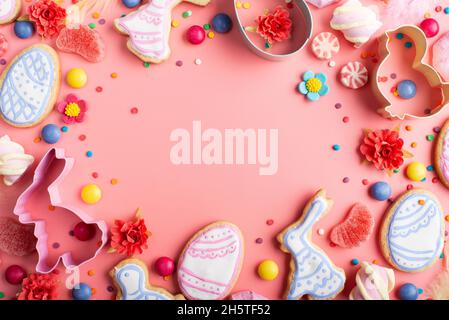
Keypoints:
(95, 175)
(434, 180)
(82, 137)
(270, 222)
(409, 187)
(134, 110)
(365, 182)
(98, 89)
(345, 119)
(332, 244)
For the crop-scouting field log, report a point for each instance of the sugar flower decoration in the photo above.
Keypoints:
(276, 26)
(72, 109)
(39, 286)
(313, 86)
(48, 17)
(384, 148)
(129, 237)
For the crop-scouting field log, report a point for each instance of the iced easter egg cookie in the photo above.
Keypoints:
(29, 86)
(412, 233)
(130, 277)
(372, 282)
(312, 273)
(9, 10)
(441, 155)
(210, 263)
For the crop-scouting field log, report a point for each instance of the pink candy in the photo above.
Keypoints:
(325, 45)
(440, 57)
(430, 27)
(322, 3)
(354, 75)
(3, 44)
(196, 34)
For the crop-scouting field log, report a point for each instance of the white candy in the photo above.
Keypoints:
(354, 75)
(325, 45)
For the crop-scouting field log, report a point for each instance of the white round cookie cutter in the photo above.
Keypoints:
(303, 8)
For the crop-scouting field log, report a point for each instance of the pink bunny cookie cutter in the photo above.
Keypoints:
(302, 21)
(56, 164)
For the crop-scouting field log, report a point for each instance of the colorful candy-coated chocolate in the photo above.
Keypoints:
(81, 291)
(23, 29)
(222, 23)
(416, 171)
(164, 266)
(196, 34)
(406, 89)
(408, 291)
(76, 78)
(380, 190)
(430, 27)
(15, 274)
(268, 270)
(91, 193)
(131, 3)
(51, 133)
(84, 231)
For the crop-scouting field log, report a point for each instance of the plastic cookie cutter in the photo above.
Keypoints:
(303, 11)
(418, 39)
(55, 165)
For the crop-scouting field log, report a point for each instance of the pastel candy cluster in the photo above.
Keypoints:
(357, 22)
(13, 160)
(372, 283)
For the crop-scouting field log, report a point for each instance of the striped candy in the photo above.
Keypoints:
(354, 75)
(3, 44)
(325, 45)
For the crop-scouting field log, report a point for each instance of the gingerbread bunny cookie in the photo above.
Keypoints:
(148, 29)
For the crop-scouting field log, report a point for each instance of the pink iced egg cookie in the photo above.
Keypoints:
(325, 45)
(440, 57)
(247, 295)
(15, 238)
(354, 75)
(210, 263)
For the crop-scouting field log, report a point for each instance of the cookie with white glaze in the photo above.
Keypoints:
(9, 10)
(441, 154)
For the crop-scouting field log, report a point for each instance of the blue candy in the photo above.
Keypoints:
(131, 3)
(222, 23)
(380, 191)
(51, 133)
(81, 291)
(408, 291)
(406, 89)
(23, 29)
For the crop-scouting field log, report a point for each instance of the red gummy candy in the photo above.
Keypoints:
(356, 227)
(15, 238)
(83, 41)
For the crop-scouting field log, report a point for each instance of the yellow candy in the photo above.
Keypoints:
(91, 193)
(76, 78)
(211, 34)
(246, 5)
(416, 171)
(238, 5)
(268, 270)
(175, 23)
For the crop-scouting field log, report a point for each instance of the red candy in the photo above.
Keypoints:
(83, 41)
(3, 44)
(196, 35)
(430, 27)
(84, 231)
(15, 274)
(164, 266)
(15, 238)
(355, 229)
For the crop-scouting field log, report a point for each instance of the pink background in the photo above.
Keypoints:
(232, 88)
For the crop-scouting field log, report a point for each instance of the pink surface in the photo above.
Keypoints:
(232, 88)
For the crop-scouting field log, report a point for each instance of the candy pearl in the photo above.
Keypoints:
(91, 193)
(196, 34)
(131, 3)
(23, 29)
(82, 291)
(268, 270)
(84, 231)
(380, 191)
(15, 274)
(51, 133)
(76, 78)
(222, 23)
(164, 266)
(406, 89)
(416, 171)
(430, 27)
(408, 291)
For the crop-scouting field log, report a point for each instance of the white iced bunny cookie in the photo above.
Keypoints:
(9, 10)
(13, 160)
(372, 283)
(149, 27)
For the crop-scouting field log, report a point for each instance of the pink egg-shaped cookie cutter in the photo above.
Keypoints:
(40, 232)
(303, 8)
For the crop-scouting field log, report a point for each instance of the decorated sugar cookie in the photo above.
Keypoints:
(312, 273)
(210, 263)
(441, 156)
(149, 27)
(13, 160)
(9, 10)
(412, 233)
(29, 86)
(372, 282)
(131, 279)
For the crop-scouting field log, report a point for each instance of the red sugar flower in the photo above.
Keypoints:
(276, 26)
(383, 148)
(72, 109)
(48, 17)
(39, 287)
(129, 237)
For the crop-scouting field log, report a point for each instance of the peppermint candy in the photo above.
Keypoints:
(354, 75)
(325, 45)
